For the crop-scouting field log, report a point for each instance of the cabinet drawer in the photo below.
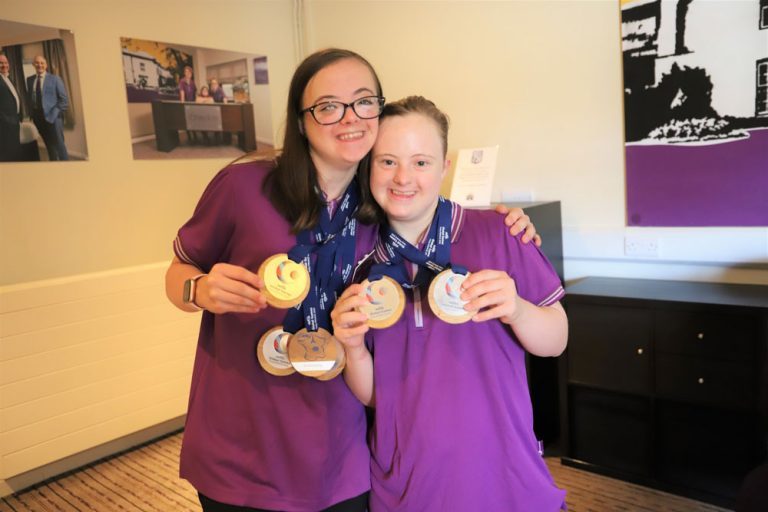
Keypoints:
(704, 381)
(722, 335)
(609, 347)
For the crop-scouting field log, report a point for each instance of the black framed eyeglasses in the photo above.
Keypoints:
(331, 112)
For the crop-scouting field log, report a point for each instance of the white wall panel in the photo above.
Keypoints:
(87, 359)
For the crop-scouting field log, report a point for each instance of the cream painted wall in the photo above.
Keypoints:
(67, 218)
(542, 79)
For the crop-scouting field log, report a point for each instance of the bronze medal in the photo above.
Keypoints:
(338, 367)
(313, 353)
(385, 302)
(272, 352)
(443, 297)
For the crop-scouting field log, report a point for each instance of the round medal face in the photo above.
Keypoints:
(286, 283)
(338, 367)
(444, 293)
(313, 353)
(385, 302)
(272, 352)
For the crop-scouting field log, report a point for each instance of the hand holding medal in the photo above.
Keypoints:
(349, 323)
(491, 294)
(230, 288)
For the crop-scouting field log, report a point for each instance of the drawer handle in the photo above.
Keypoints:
(700, 335)
(701, 380)
(639, 351)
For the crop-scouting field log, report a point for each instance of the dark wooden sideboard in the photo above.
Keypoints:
(664, 383)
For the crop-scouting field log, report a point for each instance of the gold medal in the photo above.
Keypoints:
(286, 283)
(272, 351)
(443, 297)
(385, 302)
(313, 353)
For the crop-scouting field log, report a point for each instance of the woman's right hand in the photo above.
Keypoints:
(350, 324)
(230, 289)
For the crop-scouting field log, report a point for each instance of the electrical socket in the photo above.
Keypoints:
(641, 246)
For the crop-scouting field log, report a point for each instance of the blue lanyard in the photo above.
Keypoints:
(328, 252)
(434, 258)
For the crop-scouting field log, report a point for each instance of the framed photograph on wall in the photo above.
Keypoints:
(41, 114)
(696, 112)
(192, 102)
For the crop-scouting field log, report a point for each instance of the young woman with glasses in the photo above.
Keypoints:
(253, 440)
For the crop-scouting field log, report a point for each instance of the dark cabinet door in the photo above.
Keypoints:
(611, 430)
(609, 347)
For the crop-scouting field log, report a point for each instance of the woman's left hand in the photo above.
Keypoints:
(495, 292)
(518, 221)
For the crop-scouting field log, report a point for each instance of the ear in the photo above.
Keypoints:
(446, 166)
(301, 126)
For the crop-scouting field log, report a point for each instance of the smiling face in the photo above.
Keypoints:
(40, 64)
(407, 170)
(4, 66)
(340, 146)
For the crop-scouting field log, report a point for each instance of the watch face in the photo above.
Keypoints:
(188, 290)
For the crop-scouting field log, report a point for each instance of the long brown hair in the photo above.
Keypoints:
(292, 185)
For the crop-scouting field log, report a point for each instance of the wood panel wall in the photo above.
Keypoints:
(88, 359)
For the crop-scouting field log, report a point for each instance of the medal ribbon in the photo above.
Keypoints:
(327, 252)
(433, 259)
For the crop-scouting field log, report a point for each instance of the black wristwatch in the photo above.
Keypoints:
(190, 287)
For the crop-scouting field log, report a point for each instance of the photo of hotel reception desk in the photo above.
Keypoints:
(170, 117)
(191, 102)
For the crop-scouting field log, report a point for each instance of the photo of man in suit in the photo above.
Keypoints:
(48, 100)
(9, 114)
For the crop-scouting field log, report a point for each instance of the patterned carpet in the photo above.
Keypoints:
(145, 479)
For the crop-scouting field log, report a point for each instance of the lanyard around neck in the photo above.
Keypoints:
(432, 259)
(328, 252)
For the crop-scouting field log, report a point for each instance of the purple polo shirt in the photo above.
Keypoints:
(453, 427)
(252, 439)
(189, 88)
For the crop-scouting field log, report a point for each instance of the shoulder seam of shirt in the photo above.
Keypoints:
(179, 250)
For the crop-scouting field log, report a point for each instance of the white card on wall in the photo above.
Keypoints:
(473, 176)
